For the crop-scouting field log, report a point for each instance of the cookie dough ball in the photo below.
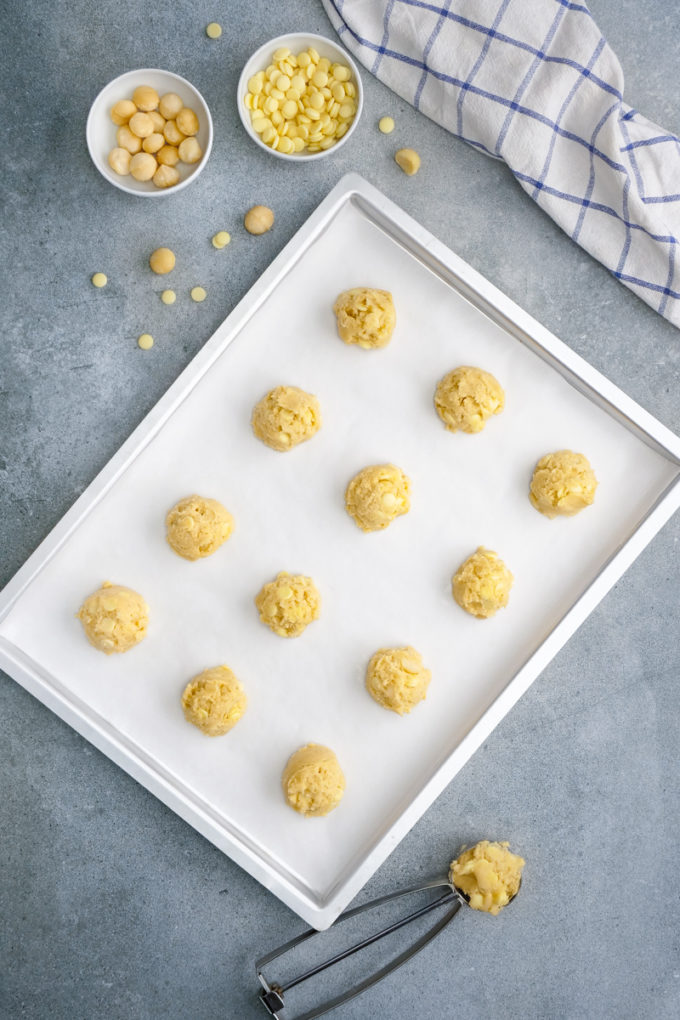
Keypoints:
(397, 679)
(313, 782)
(488, 875)
(197, 527)
(365, 317)
(285, 417)
(114, 618)
(377, 495)
(214, 701)
(563, 484)
(482, 584)
(467, 397)
(288, 604)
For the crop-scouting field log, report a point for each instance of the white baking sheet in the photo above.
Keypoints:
(377, 589)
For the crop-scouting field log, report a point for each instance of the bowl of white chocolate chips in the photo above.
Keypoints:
(149, 132)
(300, 97)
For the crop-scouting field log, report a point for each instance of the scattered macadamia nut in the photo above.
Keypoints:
(145, 341)
(258, 220)
(169, 106)
(122, 111)
(221, 239)
(172, 133)
(386, 125)
(166, 177)
(153, 143)
(119, 161)
(198, 294)
(145, 98)
(162, 260)
(214, 30)
(408, 160)
(168, 155)
(187, 121)
(126, 140)
(141, 125)
(99, 280)
(143, 166)
(168, 297)
(190, 151)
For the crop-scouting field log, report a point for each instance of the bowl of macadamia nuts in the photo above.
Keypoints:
(149, 132)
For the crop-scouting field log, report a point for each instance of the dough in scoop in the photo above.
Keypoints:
(376, 495)
(197, 527)
(488, 874)
(285, 417)
(313, 782)
(482, 584)
(467, 397)
(214, 701)
(288, 604)
(114, 618)
(397, 679)
(365, 317)
(563, 484)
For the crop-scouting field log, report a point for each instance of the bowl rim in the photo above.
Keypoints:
(274, 44)
(157, 192)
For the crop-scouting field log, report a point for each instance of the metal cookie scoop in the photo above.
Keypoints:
(439, 895)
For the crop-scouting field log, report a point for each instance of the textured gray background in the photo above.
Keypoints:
(111, 906)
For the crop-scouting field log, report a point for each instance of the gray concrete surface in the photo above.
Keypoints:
(110, 905)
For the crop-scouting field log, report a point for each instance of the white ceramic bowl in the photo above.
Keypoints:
(296, 42)
(101, 131)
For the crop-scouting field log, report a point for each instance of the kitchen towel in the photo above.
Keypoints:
(534, 83)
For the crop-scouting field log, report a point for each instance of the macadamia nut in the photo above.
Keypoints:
(259, 219)
(145, 98)
(187, 121)
(169, 106)
(190, 151)
(122, 111)
(166, 177)
(119, 161)
(408, 160)
(141, 125)
(143, 166)
(162, 260)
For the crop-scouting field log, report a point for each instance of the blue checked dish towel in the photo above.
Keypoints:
(534, 83)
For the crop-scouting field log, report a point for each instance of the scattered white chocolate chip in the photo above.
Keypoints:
(221, 239)
(145, 341)
(408, 160)
(99, 280)
(214, 30)
(198, 294)
(386, 125)
(168, 297)
(259, 219)
(162, 260)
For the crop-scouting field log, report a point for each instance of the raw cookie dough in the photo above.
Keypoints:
(377, 495)
(288, 604)
(482, 584)
(214, 701)
(313, 782)
(488, 874)
(114, 618)
(365, 317)
(285, 417)
(466, 397)
(563, 484)
(197, 527)
(397, 679)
